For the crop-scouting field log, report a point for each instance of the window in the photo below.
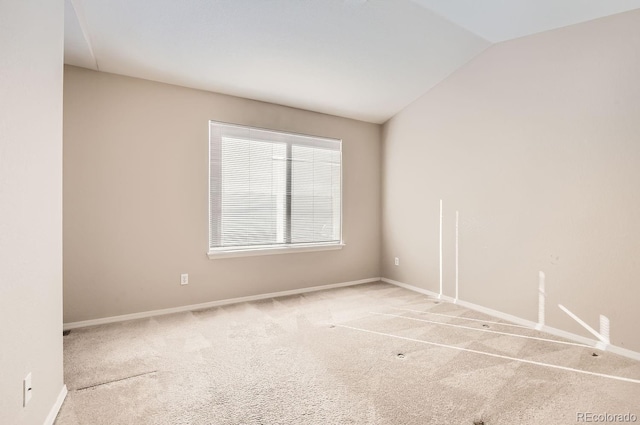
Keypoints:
(272, 192)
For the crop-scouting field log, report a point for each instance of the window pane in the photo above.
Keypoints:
(253, 192)
(315, 195)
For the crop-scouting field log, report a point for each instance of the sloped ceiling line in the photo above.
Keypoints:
(79, 11)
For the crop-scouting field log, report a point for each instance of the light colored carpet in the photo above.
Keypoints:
(325, 358)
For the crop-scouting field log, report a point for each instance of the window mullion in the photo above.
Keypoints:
(288, 196)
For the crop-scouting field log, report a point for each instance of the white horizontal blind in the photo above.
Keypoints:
(270, 188)
(315, 194)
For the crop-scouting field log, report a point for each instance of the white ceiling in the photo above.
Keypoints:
(354, 58)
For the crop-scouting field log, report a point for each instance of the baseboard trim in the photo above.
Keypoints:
(202, 306)
(412, 288)
(53, 413)
(519, 321)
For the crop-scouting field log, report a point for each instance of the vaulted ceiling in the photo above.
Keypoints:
(362, 59)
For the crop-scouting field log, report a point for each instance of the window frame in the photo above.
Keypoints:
(286, 248)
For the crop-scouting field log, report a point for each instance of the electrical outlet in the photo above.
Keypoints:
(397, 261)
(184, 279)
(26, 389)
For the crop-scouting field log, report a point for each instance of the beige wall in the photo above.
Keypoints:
(31, 39)
(136, 190)
(536, 143)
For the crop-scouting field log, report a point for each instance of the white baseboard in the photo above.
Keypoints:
(519, 321)
(192, 307)
(413, 288)
(51, 417)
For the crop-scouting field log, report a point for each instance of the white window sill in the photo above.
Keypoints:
(270, 250)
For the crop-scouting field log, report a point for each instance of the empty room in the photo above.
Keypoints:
(319, 212)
